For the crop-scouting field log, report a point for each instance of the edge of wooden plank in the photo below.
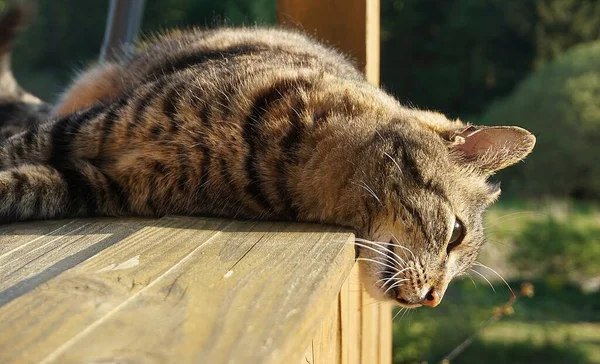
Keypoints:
(320, 304)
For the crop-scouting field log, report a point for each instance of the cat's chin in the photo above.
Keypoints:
(403, 303)
(369, 278)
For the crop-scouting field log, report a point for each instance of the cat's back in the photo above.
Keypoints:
(219, 112)
(239, 50)
(219, 59)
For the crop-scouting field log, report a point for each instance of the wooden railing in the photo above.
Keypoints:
(183, 290)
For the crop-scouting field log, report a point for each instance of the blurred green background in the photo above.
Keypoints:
(533, 63)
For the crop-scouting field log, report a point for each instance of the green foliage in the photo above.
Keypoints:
(455, 55)
(524, 352)
(452, 55)
(428, 335)
(62, 37)
(559, 248)
(544, 329)
(458, 55)
(67, 35)
(559, 104)
(168, 14)
(558, 241)
(563, 23)
(559, 324)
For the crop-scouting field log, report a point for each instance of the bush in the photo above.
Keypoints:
(560, 103)
(559, 248)
(458, 55)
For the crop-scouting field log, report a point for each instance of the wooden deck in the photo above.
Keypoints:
(184, 290)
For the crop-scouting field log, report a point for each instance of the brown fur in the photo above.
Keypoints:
(264, 124)
(98, 85)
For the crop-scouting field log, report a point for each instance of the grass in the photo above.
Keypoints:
(560, 324)
(555, 326)
(559, 241)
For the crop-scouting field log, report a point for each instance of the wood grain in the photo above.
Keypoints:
(357, 329)
(385, 333)
(325, 346)
(351, 315)
(194, 289)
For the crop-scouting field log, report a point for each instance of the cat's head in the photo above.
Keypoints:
(424, 187)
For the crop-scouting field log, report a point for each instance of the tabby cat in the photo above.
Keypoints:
(261, 123)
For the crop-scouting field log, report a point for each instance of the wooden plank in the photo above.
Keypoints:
(75, 299)
(253, 292)
(14, 237)
(351, 295)
(385, 332)
(39, 254)
(369, 329)
(352, 26)
(325, 347)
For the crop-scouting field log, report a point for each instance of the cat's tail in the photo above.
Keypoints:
(18, 108)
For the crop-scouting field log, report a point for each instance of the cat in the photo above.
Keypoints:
(263, 123)
(18, 108)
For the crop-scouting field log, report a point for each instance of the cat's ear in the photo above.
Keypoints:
(491, 148)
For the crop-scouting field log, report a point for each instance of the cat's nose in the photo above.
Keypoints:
(432, 298)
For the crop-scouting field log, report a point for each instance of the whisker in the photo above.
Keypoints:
(405, 312)
(368, 189)
(403, 247)
(496, 273)
(397, 284)
(393, 160)
(471, 278)
(502, 229)
(482, 276)
(497, 242)
(375, 261)
(399, 246)
(390, 279)
(377, 251)
(395, 275)
(381, 246)
(514, 216)
(397, 313)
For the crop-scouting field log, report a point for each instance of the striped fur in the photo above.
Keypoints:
(262, 124)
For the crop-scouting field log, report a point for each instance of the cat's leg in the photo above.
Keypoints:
(32, 192)
(29, 146)
(76, 188)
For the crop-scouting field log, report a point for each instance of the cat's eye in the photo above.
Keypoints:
(458, 233)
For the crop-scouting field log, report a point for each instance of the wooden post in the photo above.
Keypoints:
(353, 27)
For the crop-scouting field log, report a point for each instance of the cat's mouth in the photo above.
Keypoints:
(404, 303)
(391, 289)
